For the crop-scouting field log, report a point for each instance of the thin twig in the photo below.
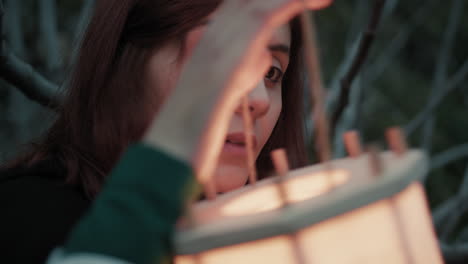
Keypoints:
(32, 84)
(446, 218)
(2, 14)
(441, 88)
(457, 253)
(14, 30)
(389, 8)
(49, 35)
(428, 131)
(334, 86)
(378, 66)
(362, 53)
(359, 13)
(442, 212)
(451, 86)
(83, 19)
(449, 155)
(457, 212)
(321, 129)
(440, 74)
(349, 117)
(20, 74)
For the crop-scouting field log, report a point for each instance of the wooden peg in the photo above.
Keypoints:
(248, 140)
(352, 143)
(375, 162)
(280, 161)
(396, 140)
(281, 164)
(209, 188)
(317, 90)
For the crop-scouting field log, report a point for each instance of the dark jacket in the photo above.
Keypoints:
(38, 210)
(132, 219)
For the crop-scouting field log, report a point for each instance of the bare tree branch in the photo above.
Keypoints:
(440, 75)
(445, 53)
(361, 56)
(2, 14)
(428, 131)
(439, 89)
(450, 155)
(32, 84)
(334, 86)
(446, 217)
(83, 19)
(350, 51)
(48, 34)
(14, 31)
(442, 212)
(18, 105)
(464, 97)
(24, 77)
(448, 226)
(462, 236)
(398, 42)
(318, 115)
(349, 117)
(389, 8)
(451, 85)
(454, 254)
(355, 27)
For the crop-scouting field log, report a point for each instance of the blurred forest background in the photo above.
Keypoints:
(414, 77)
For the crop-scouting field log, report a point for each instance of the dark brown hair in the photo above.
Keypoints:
(107, 106)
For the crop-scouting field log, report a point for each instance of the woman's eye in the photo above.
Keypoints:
(274, 74)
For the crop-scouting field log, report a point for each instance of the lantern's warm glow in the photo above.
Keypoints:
(392, 231)
(298, 189)
(256, 252)
(337, 213)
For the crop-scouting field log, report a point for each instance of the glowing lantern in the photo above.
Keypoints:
(339, 212)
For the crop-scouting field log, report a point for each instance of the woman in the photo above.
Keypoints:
(129, 68)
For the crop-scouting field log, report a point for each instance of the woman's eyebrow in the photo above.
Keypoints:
(279, 47)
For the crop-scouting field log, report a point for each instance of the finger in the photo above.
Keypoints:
(316, 4)
(277, 12)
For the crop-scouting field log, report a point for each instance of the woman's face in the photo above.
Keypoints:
(265, 102)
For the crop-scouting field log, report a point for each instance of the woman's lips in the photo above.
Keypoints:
(234, 149)
(236, 144)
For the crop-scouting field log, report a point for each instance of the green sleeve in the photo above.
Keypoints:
(134, 216)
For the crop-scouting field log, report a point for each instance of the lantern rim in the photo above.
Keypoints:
(412, 166)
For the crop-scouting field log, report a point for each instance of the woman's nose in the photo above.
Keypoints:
(259, 101)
